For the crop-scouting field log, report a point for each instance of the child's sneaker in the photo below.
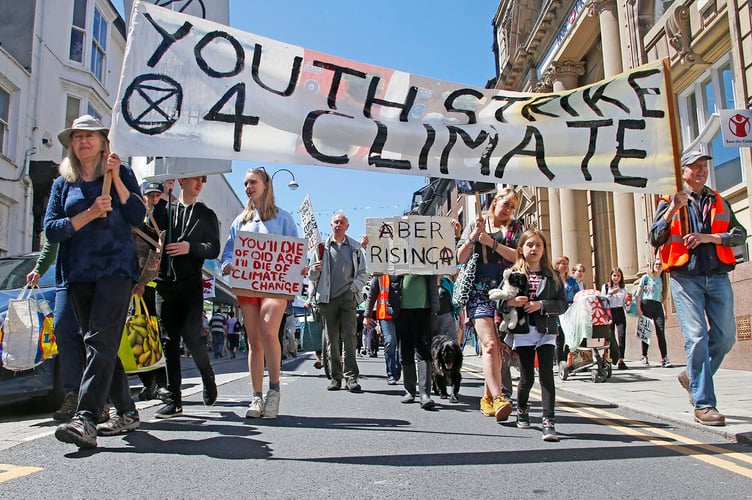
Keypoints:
(549, 430)
(523, 417)
(666, 363)
(644, 361)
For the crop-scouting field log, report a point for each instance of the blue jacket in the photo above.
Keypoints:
(102, 248)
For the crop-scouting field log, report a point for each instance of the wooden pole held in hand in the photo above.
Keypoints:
(478, 209)
(106, 187)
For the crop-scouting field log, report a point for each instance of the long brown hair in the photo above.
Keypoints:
(267, 208)
(545, 262)
(611, 281)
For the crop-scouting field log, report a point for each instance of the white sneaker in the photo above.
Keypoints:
(256, 408)
(271, 404)
(666, 363)
(644, 361)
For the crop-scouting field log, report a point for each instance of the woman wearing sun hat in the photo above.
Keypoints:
(97, 262)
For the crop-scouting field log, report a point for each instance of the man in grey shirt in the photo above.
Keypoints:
(338, 274)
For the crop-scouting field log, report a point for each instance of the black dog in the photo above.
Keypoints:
(447, 363)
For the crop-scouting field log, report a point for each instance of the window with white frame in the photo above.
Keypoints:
(78, 31)
(98, 45)
(700, 125)
(72, 111)
(90, 110)
(4, 119)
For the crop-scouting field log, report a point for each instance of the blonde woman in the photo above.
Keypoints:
(261, 316)
(97, 263)
(494, 237)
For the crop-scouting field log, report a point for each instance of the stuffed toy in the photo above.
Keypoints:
(514, 284)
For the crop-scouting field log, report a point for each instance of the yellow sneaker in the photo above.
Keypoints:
(486, 406)
(501, 408)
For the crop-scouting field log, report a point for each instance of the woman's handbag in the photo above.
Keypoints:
(464, 282)
(140, 346)
(311, 331)
(27, 338)
(149, 243)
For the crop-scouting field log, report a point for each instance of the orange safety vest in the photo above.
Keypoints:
(382, 298)
(675, 254)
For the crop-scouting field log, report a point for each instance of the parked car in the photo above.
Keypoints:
(42, 386)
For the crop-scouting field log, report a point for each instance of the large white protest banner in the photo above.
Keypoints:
(267, 265)
(195, 88)
(414, 244)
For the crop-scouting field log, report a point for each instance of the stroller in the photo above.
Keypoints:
(587, 330)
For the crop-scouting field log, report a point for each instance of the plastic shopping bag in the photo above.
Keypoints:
(140, 346)
(27, 338)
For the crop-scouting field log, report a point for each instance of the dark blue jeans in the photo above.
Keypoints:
(70, 341)
(101, 308)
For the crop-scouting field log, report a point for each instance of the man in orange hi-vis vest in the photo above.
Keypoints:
(699, 262)
(383, 305)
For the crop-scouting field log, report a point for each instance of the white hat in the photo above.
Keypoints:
(690, 157)
(84, 122)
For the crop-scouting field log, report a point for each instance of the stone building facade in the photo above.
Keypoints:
(555, 45)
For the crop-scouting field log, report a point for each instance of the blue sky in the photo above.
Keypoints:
(440, 39)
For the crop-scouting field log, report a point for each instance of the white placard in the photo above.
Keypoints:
(268, 264)
(308, 221)
(736, 127)
(415, 244)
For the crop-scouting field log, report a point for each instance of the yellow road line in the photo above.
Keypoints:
(689, 447)
(8, 472)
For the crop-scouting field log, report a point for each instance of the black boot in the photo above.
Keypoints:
(210, 389)
(424, 384)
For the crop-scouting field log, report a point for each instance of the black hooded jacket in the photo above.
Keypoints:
(198, 225)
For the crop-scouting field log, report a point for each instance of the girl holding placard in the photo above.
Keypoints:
(650, 295)
(261, 315)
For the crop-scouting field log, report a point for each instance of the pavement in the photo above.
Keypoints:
(655, 391)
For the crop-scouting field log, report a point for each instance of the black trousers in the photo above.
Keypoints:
(179, 306)
(546, 354)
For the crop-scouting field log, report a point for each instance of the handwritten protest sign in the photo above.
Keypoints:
(267, 265)
(415, 244)
(195, 88)
(310, 228)
(644, 329)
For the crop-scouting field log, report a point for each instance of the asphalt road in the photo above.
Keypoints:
(369, 445)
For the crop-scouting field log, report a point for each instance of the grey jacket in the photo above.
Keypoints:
(321, 280)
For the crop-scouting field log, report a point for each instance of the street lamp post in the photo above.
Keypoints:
(293, 184)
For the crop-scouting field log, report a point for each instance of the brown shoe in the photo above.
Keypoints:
(684, 381)
(709, 416)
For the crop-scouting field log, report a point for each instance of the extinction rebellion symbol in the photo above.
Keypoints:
(152, 103)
